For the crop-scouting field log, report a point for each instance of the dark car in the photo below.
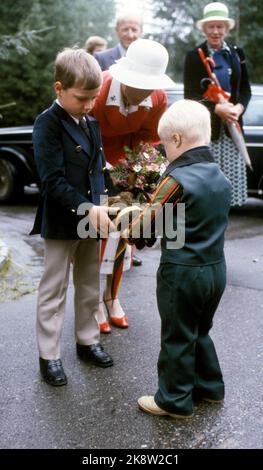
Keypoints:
(17, 168)
(253, 129)
(17, 163)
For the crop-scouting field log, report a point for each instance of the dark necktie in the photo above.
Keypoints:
(83, 124)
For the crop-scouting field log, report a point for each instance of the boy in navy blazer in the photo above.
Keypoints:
(69, 160)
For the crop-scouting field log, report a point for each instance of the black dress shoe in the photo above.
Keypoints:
(53, 372)
(136, 261)
(94, 353)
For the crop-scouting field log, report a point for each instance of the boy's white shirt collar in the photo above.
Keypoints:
(115, 99)
(74, 118)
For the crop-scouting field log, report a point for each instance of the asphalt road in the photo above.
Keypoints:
(97, 410)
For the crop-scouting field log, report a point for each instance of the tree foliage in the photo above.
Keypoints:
(28, 78)
(179, 33)
(19, 42)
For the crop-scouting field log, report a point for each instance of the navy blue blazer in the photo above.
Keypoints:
(70, 168)
(108, 57)
(194, 72)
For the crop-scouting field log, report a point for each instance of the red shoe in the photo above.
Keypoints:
(120, 322)
(105, 327)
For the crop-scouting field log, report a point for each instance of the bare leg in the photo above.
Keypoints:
(100, 314)
(113, 305)
(101, 317)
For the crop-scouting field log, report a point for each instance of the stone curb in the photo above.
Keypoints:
(3, 254)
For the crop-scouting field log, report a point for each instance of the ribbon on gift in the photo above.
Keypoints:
(117, 270)
(123, 220)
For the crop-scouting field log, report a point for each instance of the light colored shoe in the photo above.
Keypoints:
(148, 405)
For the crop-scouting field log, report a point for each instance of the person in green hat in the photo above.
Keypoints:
(231, 72)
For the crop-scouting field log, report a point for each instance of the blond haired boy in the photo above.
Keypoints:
(191, 276)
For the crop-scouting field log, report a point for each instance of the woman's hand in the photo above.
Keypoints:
(229, 112)
(239, 109)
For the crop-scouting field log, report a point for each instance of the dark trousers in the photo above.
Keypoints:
(187, 298)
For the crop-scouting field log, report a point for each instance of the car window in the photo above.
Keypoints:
(254, 112)
(173, 95)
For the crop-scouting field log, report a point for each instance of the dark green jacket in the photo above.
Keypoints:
(206, 196)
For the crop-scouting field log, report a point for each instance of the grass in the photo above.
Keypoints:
(14, 282)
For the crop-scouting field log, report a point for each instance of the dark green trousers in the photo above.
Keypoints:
(187, 298)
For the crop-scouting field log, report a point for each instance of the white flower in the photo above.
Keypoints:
(137, 168)
(162, 168)
(146, 156)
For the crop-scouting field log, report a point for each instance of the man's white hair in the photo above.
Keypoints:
(129, 15)
(187, 118)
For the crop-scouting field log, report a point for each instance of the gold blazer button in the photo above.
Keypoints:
(78, 148)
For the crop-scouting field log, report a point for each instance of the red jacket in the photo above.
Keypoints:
(118, 130)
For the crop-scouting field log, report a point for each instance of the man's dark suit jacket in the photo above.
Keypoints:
(108, 57)
(70, 167)
(194, 72)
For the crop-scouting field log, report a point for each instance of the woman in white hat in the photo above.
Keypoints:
(128, 109)
(231, 72)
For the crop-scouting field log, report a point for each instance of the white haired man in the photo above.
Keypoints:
(128, 28)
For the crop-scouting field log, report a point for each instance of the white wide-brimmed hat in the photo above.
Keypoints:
(215, 11)
(143, 66)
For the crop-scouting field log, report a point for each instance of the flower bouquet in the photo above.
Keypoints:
(137, 175)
